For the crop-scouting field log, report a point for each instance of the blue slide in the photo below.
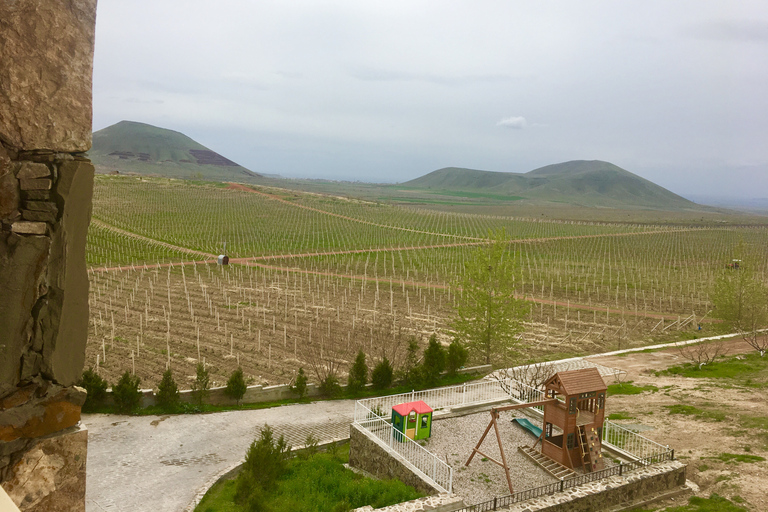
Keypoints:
(527, 425)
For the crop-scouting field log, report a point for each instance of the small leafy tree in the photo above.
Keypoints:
(126, 393)
(201, 384)
(488, 316)
(382, 375)
(300, 386)
(433, 363)
(265, 463)
(236, 385)
(456, 357)
(95, 386)
(358, 375)
(741, 300)
(168, 392)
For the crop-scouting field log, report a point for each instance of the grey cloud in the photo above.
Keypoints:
(733, 30)
(382, 75)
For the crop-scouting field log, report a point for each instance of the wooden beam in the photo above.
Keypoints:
(495, 415)
(525, 405)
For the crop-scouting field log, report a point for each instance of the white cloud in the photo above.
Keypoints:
(514, 122)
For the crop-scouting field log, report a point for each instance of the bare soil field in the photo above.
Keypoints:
(728, 422)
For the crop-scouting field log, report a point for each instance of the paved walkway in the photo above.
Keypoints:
(159, 463)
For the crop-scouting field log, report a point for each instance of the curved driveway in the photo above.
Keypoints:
(159, 463)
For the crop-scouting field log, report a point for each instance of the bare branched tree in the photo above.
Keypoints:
(702, 353)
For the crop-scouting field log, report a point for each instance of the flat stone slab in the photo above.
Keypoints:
(29, 228)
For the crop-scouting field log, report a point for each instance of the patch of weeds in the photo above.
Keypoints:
(732, 458)
(760, 422)
(620, 416)
(703, 467)
(747, 370)
(722, 478)
(628, 388)
(714, 503)
(690, 410)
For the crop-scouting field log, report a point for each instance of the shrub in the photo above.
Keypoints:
(330, 387)
(382, 374)
(201, 385)
(300, 386)
(95, 386)
(434, 362)
(265, 462)
(358, 375)
(456, 357)
(410, 370)
(236, 385)
(126, 393)
(168, 392)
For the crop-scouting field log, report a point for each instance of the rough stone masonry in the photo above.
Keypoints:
(46, 183)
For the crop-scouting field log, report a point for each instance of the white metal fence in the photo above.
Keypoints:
(425, 461)
(631, 442)
(474, 393)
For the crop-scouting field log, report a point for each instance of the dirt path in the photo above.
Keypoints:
(114, 229)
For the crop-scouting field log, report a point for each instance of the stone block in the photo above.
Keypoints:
(45, 81)
(42, 206)
(57, 409)
(29, 228)
(37, 195)
(31, 170)
(35, 184)
(64, 343)
(50, 477)
(9, 196)
(23, 262)
(38, 216)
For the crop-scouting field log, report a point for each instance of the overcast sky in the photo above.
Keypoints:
(674, 91)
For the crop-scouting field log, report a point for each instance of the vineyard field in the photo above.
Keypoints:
(315, 278)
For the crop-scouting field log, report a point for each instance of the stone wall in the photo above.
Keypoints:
(366, 453)
(46, 182)
(632, 487)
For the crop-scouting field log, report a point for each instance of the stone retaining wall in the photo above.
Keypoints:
(369, 454)
(46, 183)
(602, 494)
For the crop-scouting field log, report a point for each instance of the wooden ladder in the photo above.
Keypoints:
(589, 443)
(552, 467)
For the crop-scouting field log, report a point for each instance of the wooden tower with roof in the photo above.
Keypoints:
(579, 412)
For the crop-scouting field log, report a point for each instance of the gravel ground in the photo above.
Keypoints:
(453, 440)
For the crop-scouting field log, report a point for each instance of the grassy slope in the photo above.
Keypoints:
(587, 183)
(167, 150)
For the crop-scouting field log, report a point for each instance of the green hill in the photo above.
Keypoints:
(130, 147)
(579, 182)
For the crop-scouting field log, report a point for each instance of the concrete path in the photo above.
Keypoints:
(159, 463)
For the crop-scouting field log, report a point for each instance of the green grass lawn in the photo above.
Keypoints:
(318, 483)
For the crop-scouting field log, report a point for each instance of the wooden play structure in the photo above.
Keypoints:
(413, 420)
(571, 435)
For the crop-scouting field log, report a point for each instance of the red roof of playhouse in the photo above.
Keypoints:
(405, 409)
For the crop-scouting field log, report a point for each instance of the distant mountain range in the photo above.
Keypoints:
(130, 147)
(579, 182)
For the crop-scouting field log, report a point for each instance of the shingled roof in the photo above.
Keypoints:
(574, 382)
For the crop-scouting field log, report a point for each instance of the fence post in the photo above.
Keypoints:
(494, 503)
(434, 469)
(673, 454)
(562, 484)
(621, 468)
(464, 394)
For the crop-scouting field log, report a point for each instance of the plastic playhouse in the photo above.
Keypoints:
(413, 420)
